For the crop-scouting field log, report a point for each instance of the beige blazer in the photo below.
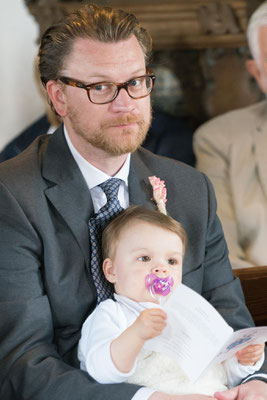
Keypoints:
(232, 150)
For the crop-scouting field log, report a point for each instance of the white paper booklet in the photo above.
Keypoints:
(197, 336)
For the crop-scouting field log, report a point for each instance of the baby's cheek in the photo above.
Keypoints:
(178, 278)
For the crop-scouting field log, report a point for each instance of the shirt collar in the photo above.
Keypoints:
(92, 175)
(135, 306)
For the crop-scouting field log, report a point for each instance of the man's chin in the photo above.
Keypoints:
(122, 144)
(120, 150)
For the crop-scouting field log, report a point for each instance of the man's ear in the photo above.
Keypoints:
(253, 69)
(57, 96)
(108, 270)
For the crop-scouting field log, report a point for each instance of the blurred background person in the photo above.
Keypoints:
(46, 124)
(231, 150)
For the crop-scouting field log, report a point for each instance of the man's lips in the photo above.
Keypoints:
(126, 125)
(122, 123)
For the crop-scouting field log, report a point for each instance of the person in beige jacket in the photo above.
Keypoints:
(231, 150)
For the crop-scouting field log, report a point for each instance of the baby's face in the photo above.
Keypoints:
(145, 249)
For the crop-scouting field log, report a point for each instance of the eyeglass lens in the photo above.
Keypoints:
(136, 88)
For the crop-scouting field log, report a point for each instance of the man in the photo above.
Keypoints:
(93, 65)
(230, 149)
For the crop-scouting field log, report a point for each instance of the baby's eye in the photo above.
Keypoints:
(144, 258)
(172, 261)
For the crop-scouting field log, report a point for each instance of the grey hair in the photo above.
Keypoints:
(257, 20)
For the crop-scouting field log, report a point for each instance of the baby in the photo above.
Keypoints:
(138, 246)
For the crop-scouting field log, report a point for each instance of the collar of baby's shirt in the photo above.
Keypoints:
(134, 306)
(92, 175)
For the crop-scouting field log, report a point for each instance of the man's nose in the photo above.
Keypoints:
(160, 270)
(123, 102)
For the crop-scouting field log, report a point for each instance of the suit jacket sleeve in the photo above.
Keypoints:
(30, 365)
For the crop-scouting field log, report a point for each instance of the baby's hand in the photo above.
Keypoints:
(150, 323)
(250, 354)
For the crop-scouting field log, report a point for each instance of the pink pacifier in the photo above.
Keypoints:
(158, 286)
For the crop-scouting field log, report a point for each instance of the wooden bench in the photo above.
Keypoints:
(254, 284)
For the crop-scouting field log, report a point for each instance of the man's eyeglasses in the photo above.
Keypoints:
(106, 92)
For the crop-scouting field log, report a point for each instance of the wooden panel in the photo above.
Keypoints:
(172, 23)
(254, 283)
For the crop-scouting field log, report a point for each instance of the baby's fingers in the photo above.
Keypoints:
(250, 354)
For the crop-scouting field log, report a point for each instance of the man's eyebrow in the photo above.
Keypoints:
(105, 78)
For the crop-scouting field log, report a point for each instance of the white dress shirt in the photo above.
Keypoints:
(94, 177)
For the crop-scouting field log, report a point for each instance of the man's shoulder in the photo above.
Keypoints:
(25, 166)
(30, 162)
(152, 158)
(161, 163)
(233, 120)
(181, 179)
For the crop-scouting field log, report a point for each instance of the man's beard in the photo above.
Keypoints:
(126, 141)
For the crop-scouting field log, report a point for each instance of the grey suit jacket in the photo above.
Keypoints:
(46, 288)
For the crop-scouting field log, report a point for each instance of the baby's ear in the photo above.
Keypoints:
(108, 270)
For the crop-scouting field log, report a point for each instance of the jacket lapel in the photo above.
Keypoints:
(260, 136)
(69, 194)
(140, 190)
(67, 190)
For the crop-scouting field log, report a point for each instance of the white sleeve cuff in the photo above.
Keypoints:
(143, 394)
(236, 372)
(260, 377)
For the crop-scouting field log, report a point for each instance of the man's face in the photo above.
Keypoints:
(143, 249)
(118, 127)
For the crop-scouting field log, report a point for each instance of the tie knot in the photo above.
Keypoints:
(111, 188)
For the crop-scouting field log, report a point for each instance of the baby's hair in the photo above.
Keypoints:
(112, 232)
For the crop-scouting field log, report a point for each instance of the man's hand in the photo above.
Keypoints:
(250, 354)
(150, 323)
(253, 390)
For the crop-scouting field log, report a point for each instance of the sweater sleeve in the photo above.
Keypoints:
(105, 324)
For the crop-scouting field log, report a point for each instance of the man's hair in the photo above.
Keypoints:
(111, 234)
(257, 19)
(98, 23)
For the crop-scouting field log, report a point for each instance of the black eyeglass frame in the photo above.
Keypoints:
(76, 83)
